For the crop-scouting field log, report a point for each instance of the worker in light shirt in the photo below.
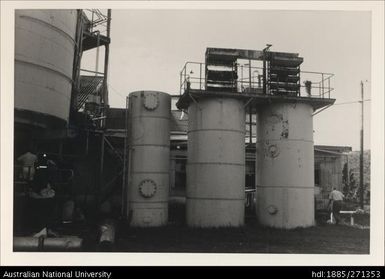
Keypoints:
(336, 199)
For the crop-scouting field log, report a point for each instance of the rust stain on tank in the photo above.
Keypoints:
(285, 129)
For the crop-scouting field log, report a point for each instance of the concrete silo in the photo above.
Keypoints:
(285, 165)
(44, 55)
(216, 163)
(149, 156)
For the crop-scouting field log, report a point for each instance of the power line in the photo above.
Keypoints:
(345, 103)
(353, 102)
(114, 90)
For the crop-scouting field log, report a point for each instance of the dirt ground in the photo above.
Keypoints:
(326, 239)
(176, 237)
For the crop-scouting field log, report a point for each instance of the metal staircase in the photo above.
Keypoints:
(89, 86)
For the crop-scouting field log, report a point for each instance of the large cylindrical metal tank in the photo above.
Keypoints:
(149, 158)
(215, 195)
(285, 166)
(44, 54)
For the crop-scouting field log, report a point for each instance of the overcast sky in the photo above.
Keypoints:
(149, 48)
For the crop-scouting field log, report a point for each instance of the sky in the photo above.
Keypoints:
(149, 48)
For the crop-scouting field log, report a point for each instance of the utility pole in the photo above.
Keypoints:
(362, 149)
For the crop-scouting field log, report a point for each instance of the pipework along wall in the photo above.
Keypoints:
(149, 158)
(215, 195)
(285, 166)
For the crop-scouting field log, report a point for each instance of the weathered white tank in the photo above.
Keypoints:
(216, 163)
(44, 54)
(149, 157)
(285, 166)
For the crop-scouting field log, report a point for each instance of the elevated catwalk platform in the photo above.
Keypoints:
(252, 100)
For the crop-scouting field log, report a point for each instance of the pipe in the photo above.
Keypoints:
(52, 244)
(106, 60)
(107, 234)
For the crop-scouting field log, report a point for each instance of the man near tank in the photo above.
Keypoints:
(335, 200)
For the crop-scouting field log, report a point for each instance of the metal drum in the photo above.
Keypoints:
(149, 158)
(44, 54)
(216, 163)
(285, 166)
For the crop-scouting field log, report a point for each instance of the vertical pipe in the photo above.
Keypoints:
(104, 96)
(264, 73)
(241, 77)
(76, 64)
(250, 74)
(362, 149)
(128, 212)
(123, 201)
(106, 59)
(97, 54)
(348, 171)
(200, 76)
(205, 76)
(299, 81)
(322, 85)
(250, 125)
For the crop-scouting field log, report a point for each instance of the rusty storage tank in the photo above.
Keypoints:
(44, 54)
(149, 158)
(285, 166)
(215, 194)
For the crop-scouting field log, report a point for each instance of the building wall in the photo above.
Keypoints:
(328, 174)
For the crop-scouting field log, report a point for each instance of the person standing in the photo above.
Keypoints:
(335, 201)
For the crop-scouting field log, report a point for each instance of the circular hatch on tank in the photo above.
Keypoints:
(273, 150)
(147, 188)
(151, 101)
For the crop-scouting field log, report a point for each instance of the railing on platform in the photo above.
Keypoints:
(250, 80)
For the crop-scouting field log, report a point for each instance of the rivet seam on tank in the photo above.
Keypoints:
(272, 209)
(147, 188)
(151, 101)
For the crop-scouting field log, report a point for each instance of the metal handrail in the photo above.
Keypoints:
(320, 81)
